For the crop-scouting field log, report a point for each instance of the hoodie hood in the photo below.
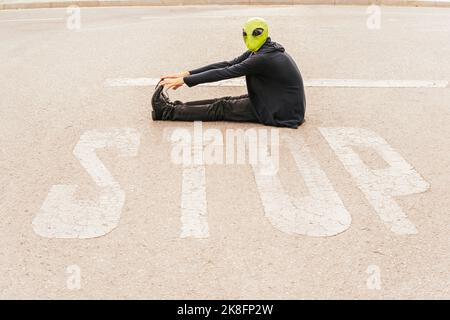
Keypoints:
(270, 46)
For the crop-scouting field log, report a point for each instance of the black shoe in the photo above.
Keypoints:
(160, 102)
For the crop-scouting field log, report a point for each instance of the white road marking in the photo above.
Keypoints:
(320, 214)
(360, 83)
(63, 216)
(380, 186)
(194, 211)
(343, 83)
(177, 17)
(287, 12)
(32, 20)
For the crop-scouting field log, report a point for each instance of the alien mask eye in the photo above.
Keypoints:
(257, 32)
(244, 33)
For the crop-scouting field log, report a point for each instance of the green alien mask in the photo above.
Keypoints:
(255, 33)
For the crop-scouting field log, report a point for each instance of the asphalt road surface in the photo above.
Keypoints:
(93, 203)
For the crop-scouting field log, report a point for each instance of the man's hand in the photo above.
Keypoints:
(178, 75)
(172, 83)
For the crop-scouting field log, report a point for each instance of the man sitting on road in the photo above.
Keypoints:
(275, 96)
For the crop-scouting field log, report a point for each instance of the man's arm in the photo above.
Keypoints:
(249, 66)
(223, 64)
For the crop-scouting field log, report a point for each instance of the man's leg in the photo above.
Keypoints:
(221, 109)
(208, 101)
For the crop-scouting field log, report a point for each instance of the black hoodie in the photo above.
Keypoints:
(274, 83)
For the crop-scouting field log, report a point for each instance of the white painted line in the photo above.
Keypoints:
(194, 209)
(131, 82)
(63, 215)
(380, 186)
(32, 20)
(360, 83)
(441, 1)
(184, 17)
(319, 214)
(334, 83)
(187, 150)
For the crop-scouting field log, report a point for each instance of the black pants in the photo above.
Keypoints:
(220, 109)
